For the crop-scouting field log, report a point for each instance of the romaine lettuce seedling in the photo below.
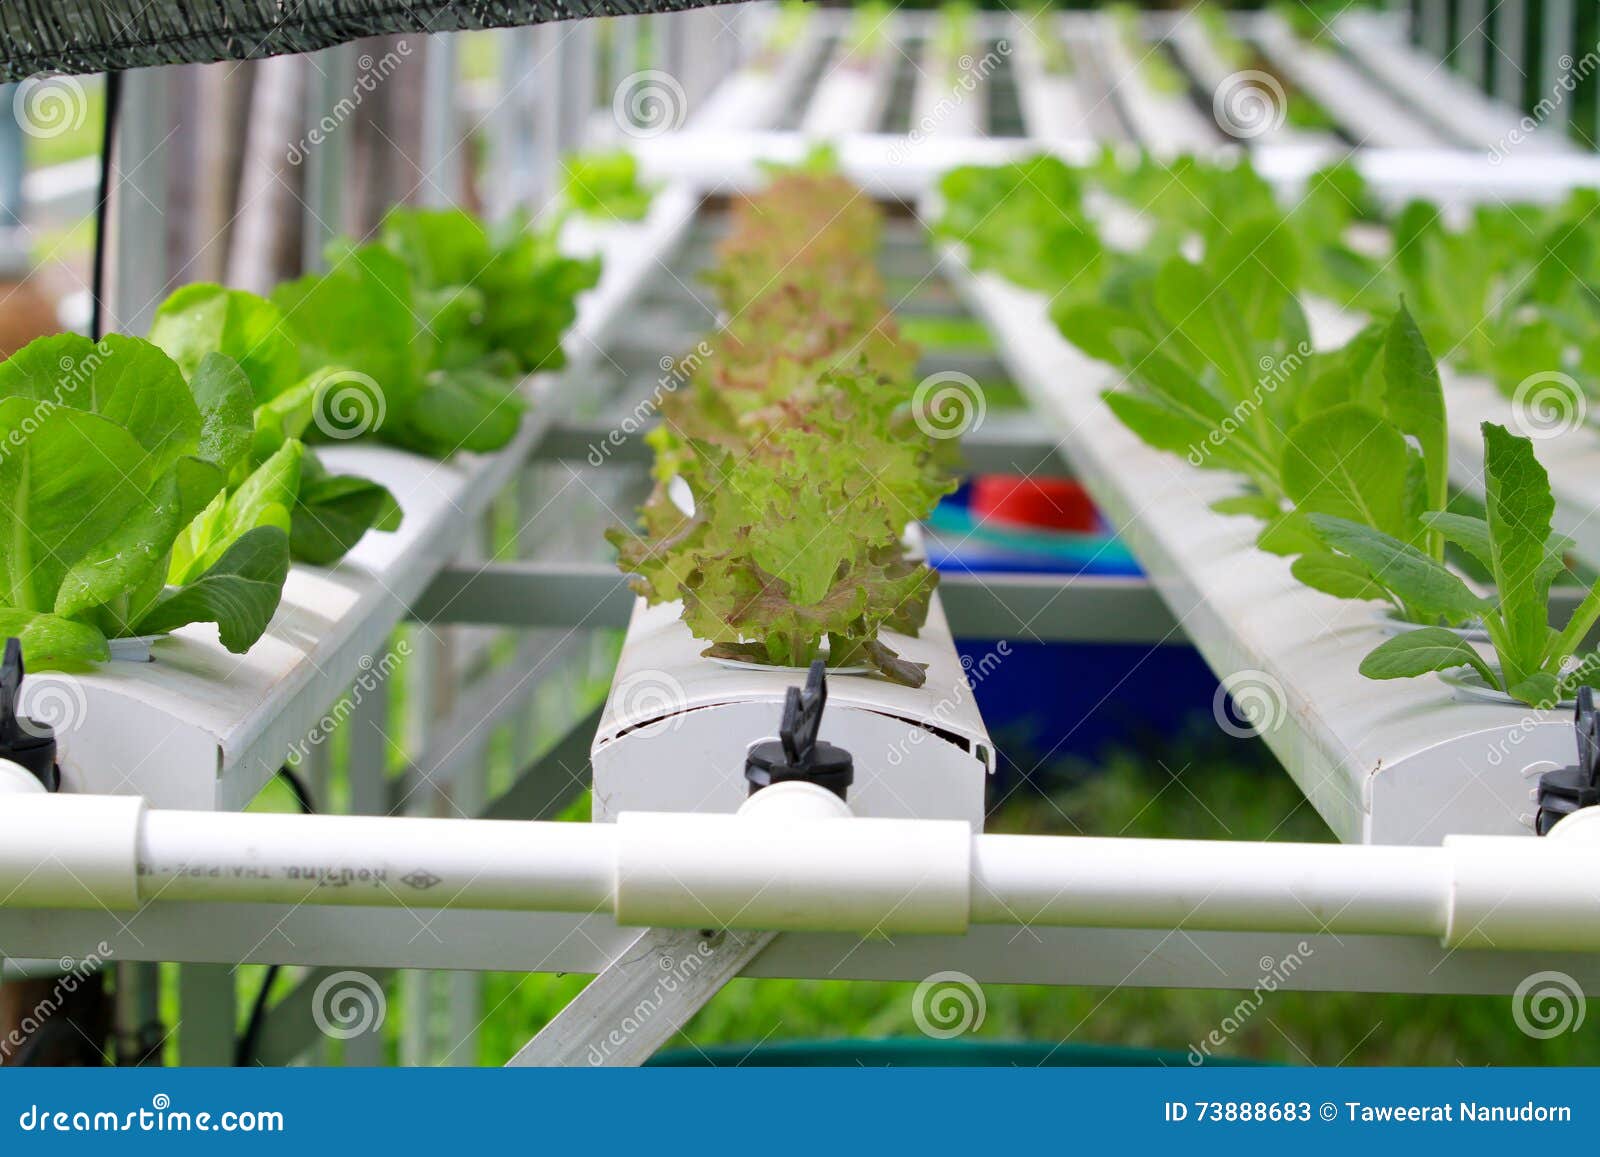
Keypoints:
(1535, 662)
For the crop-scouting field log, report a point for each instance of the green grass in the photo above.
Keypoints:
(79, 139)
(934, 333)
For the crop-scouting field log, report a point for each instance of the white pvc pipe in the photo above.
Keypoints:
(796, 860)
(1210, 884)
(385, 861)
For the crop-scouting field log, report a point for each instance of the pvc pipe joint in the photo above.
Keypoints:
(793, 859)
(1513, 893)
(68, 851)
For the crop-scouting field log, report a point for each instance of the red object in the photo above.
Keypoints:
(1051, 504)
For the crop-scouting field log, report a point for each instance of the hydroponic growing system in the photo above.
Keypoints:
(145, 853)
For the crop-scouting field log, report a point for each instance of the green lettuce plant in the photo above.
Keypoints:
(329, 513)
(799, 441)
(605, 186)
(109, 456)
(506, 292)
(1535, 662)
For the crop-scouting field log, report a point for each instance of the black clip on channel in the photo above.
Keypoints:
(1565, 790)
(25, 742)
(798, 754)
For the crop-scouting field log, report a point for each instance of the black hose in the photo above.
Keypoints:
(245, 1051)
(108, 140)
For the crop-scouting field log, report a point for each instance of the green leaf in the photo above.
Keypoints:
(1421, 651)
(1336, 575)
(1518, 507)
(1287, 534)
(1426, 587)
(1414, 402)
(265, 498)
(125, 380)
(462, 410)
(1349, 462)
(201, 319)
(334, 511)
(51, 643)
(239, 592)
(1209, 320)
(68, 480)
(140, 545)
(1541, 689)
(1253, 505)
(360, 315)
(227, 418)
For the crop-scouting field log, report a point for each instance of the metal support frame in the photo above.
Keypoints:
(641, 1000)
(140, 250)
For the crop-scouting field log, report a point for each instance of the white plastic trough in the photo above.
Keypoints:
(1165, 123)
(1401, 762)
(853, 91)
(1054, 106)
(677, 726)
(1451, 101)
(1368, 115)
